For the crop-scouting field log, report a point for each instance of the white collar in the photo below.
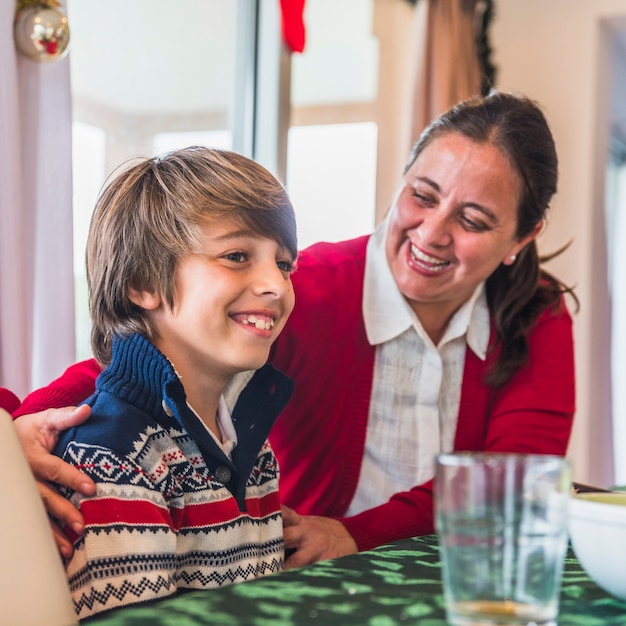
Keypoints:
(228, 436)
(387, 314)
(226, 427)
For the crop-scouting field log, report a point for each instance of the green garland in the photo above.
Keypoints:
(483, 45)
(27, 4)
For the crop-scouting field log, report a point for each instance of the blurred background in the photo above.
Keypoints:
(335, 123)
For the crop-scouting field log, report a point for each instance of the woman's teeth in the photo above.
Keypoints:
(428, 262)
(258, 322)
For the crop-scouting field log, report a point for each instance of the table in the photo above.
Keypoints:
(398, 584)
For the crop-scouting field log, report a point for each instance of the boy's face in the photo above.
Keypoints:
(232, 300)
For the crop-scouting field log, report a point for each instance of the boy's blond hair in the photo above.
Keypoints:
(149, 216)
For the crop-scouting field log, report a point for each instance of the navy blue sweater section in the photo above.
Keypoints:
(132, 394)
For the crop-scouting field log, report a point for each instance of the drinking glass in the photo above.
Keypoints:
(502, 526)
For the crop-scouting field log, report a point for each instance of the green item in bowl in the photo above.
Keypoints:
(604, 498)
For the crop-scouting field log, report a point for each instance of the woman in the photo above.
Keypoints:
(438, 332)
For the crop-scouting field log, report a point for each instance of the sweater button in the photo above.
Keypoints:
(222, 474)
(167, 409)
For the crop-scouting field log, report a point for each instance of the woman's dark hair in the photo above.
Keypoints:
(517, 293)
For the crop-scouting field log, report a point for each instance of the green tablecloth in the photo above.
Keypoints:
(395, 585)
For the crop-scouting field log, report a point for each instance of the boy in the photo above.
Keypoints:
(188, 265)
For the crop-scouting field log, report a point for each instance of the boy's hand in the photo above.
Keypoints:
(38, 435)
(314, 538)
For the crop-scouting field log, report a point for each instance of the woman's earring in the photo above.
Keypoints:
(512, 258)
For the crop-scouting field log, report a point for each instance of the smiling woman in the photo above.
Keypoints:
(447, 343)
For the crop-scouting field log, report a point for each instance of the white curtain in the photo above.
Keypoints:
(616, 236)
(36, 271)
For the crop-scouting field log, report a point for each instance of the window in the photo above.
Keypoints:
(150, 76)
(332, 146)
(147, 76)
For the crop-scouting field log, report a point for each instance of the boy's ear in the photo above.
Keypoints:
(144, 299)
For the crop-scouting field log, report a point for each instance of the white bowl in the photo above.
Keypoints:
(597, 529)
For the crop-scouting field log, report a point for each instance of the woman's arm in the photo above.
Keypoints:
(38, 435)
(8, 400)
(76, 384)
(39, 424)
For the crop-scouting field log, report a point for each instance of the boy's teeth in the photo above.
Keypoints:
(259, 323)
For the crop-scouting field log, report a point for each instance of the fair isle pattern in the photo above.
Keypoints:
(161, 522)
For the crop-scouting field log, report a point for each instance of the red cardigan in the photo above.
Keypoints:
(8, 400)
(319, 438)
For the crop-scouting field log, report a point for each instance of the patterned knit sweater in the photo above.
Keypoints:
(172, 511)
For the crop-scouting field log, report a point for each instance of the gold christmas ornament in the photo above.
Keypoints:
(41, 32)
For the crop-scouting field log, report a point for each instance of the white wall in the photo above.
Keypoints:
(558, 52)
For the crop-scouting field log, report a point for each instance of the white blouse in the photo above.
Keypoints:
(416, 390)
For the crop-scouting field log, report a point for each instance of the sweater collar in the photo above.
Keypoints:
(140, 374)
(387, 314)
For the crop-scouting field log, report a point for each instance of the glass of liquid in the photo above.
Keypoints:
(502, 526)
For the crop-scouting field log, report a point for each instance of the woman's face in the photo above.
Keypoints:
(453, 222)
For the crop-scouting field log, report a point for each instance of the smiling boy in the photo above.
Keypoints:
(189, 259)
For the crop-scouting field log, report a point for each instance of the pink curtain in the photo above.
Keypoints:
(36, 271)
(448, 69)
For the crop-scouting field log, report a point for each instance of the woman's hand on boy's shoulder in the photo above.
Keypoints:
(38, 434)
